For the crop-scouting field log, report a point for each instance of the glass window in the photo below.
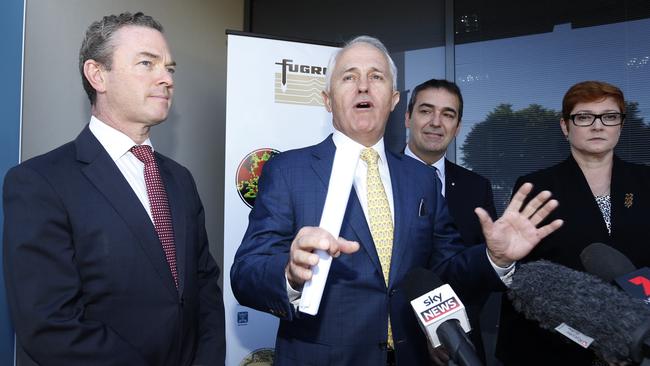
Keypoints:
(513, 89)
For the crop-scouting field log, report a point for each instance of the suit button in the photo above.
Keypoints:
(392, 292)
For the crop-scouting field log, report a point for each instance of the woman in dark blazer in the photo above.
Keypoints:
(602, 199)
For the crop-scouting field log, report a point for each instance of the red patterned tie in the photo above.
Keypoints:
(162, 218)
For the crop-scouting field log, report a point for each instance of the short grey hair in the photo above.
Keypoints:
(97, 44)
(372, 41)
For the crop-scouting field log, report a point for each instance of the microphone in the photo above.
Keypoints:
(605, 262)
(582, 307)
(611, 265)
(441, 315)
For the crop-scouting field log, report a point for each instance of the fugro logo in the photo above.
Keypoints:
(299, 84)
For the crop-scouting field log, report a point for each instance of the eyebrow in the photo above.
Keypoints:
(593, 112)
(429, 105)
(357, 69)
(155, 57)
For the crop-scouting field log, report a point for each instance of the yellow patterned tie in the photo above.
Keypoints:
(381, 220)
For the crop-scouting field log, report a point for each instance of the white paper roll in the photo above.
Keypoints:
(336, 201)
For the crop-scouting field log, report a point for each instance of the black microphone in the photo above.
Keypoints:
(613, 266)
(605, 262)
(441, 315)
(582, 307)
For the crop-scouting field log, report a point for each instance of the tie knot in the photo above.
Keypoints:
(144, 153)
(370, 156)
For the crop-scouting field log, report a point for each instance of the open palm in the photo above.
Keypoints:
(516, 232)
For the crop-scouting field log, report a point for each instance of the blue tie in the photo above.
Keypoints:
(435, 170)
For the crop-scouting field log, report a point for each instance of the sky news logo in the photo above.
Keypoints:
(440, 309)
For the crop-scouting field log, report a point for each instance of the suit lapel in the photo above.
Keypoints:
(354, 218)
(576, 189)
(405, 203)
(450, 181)
(323, 154)
(178, 212)
(104, 174)
(621, 197)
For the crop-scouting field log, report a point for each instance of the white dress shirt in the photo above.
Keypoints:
(118, 146)
(361, 174)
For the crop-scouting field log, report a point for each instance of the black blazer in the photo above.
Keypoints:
(87, 280)
(522, 342)
(464, 191)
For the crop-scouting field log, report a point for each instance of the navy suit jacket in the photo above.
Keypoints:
(87, 280)
(351, 325)
(520, 339)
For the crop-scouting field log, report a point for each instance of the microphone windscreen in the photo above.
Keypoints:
(552, 294)
(605, 262)
(419, 281)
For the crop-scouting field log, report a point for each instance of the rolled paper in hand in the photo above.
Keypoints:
(336, 201)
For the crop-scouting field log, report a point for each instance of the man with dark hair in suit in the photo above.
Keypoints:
(433, 118)
(105, 250)
(394, 222)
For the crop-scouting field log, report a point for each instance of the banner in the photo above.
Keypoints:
(273, 104)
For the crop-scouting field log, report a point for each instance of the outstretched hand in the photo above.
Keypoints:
(302, 257)
(515, 233)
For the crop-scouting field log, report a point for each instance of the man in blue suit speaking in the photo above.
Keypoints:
(105, 250)
(395, 221)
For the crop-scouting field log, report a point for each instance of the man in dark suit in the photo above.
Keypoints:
(433, 117)
(105, 250)
(363, 288)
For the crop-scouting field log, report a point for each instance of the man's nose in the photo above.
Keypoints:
(435, 118)
(363, 85)
(166, 77)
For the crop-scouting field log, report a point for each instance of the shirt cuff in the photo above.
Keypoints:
(505, 274)
(293, 295)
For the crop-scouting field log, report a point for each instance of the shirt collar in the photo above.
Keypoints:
(342, 140)
(440, 164)
(115, 142)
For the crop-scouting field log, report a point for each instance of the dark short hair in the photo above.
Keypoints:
(590, 91)
(97, 45)
(449, 86)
